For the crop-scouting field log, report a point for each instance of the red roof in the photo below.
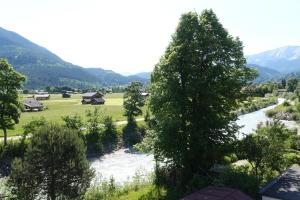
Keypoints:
(217, 193)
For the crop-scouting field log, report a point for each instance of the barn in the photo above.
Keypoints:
(94, 98)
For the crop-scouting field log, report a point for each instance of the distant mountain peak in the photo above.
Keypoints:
(283, 59)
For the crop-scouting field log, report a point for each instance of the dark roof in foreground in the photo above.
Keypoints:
(286, 186)
(217, 193)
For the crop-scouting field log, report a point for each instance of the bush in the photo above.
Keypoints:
(12, 150)
(239, 178)
(54, 166)
(286, 103)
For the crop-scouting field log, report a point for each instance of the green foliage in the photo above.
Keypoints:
(33, 125)
(260, 90)
(94, 131)
(10, 107)
(110, 134)
(255, 104)
(291, 84)
(148, 142)
(54, 166)
(74, 122)
(266, 149)
(240, 179)
(135, 189)
(286, 111)
(102, 134)
(194, 88)
(133, 100)
(10, 151)
(297, 91)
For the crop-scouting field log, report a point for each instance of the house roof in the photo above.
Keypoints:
(91, 94)
(86, 100)
(41, 95)
(286, 186)
(98, 100)
(32, 103)
(217, 193)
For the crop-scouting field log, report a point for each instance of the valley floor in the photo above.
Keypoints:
(57, 107)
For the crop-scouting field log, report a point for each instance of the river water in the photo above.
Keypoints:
(123, 165)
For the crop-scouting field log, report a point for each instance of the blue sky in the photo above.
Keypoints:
(131, 35)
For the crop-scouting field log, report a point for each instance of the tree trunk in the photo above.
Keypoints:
(5, 136)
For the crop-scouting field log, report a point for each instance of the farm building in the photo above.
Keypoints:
(145, 94)
(286, 186)
(66, 95)
(92, 98)
(32, 104)
(42, 96)
(217, 193)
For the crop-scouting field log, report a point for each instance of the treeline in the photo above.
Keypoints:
(285, 85)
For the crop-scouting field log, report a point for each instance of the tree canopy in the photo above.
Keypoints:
(194, 89)
(54, 165)
(10, 107)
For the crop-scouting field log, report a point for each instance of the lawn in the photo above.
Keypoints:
(58, 107)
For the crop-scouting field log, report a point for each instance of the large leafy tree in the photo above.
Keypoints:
(54, 166)
(291, 84)
(133, 100)
(194, 89)
(133, 103)
(10, 107)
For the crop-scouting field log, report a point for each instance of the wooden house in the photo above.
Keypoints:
(31, 105)
(94, 98)
(42, 96)
(66, 95)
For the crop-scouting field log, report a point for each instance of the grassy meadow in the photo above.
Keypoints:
(58, 107)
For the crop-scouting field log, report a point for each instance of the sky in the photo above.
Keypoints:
(129, 36)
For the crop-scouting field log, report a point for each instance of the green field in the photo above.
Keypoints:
(58, 107)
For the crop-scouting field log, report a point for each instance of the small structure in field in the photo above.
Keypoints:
(286, 186)
(217, 193)
(33, 105)
(145, 94)
(94, 98)
(42, 96)
(66, 95)
(281, 90)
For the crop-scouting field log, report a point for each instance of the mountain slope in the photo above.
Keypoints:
(285, 59)
(265, 74)
(112, 78)
(43, 68)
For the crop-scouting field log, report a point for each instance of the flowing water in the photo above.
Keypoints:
(123, 165)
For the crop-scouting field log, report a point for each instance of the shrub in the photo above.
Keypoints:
(239, 178)
(54, 166)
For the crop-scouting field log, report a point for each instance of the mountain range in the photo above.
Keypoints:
(284, 59)
(43, 68)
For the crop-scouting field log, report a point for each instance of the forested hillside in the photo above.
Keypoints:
(43, 68)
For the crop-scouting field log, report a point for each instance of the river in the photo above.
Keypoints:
(123, 165)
